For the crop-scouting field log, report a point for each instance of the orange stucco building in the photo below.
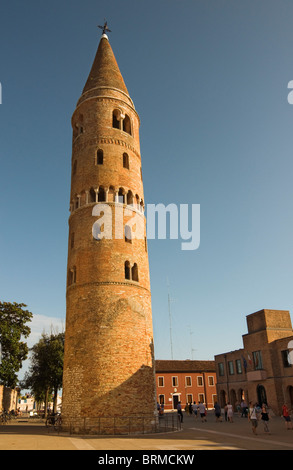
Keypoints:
(185, 381)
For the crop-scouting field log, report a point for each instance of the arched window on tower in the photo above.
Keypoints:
(92, 195)
(127, 124)
(100, 157)
(128, 234)
(111, 194)
(101, 194)
(127, 270)
(72, 276)
(126, 161)
(121, 195)
(134, 272)
(129, 198)
(116, 118)
(78, 127)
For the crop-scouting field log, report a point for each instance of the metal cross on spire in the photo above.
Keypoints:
(105, 28)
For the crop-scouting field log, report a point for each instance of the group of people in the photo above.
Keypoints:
(160, 408)
(193, 409)
(254, 412)
(15, 413)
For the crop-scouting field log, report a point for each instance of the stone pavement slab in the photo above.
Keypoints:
(194, 435)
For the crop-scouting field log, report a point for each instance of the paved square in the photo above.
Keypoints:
(193, 436)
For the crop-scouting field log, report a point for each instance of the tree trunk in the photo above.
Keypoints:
(55, 400)
(46, 402)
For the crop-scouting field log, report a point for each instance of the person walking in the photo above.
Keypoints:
(218, 412)
(194, 409)
(286, 416)
(179, 411)
(243, 409)
(190, 409)
(265, 417)
(230, 412)
(225, 411)
(202, 412)
(252, 417)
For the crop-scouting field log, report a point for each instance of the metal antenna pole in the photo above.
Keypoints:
(190, 332)
(170, 320)
(192, 352)
(190, 337)
(191, 348)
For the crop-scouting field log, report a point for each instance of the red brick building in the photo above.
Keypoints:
(261, 371)
(186, 381)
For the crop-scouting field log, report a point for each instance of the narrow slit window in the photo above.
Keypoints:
(126, 161)
(72, 276)
(134, 272)
(100, 157)
(127, 270)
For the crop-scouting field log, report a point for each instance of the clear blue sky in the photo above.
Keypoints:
(209, 81)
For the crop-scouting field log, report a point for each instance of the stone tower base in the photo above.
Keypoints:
(112, 425)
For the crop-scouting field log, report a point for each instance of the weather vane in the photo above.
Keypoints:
(105, 28)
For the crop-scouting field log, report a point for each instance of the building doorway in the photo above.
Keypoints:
(290, 395)
(261, 395)
(233, 399)
(175, 401)
(223, 398)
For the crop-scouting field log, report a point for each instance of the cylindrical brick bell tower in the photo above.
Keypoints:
(109, 376)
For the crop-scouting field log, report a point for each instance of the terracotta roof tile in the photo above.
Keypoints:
(184, 366)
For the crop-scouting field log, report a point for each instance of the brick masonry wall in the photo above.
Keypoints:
(109, 354)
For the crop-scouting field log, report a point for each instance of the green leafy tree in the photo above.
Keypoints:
(46, 370)
(55, 363)
(13, 329)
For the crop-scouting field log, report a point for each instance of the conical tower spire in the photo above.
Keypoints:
(105, 72)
